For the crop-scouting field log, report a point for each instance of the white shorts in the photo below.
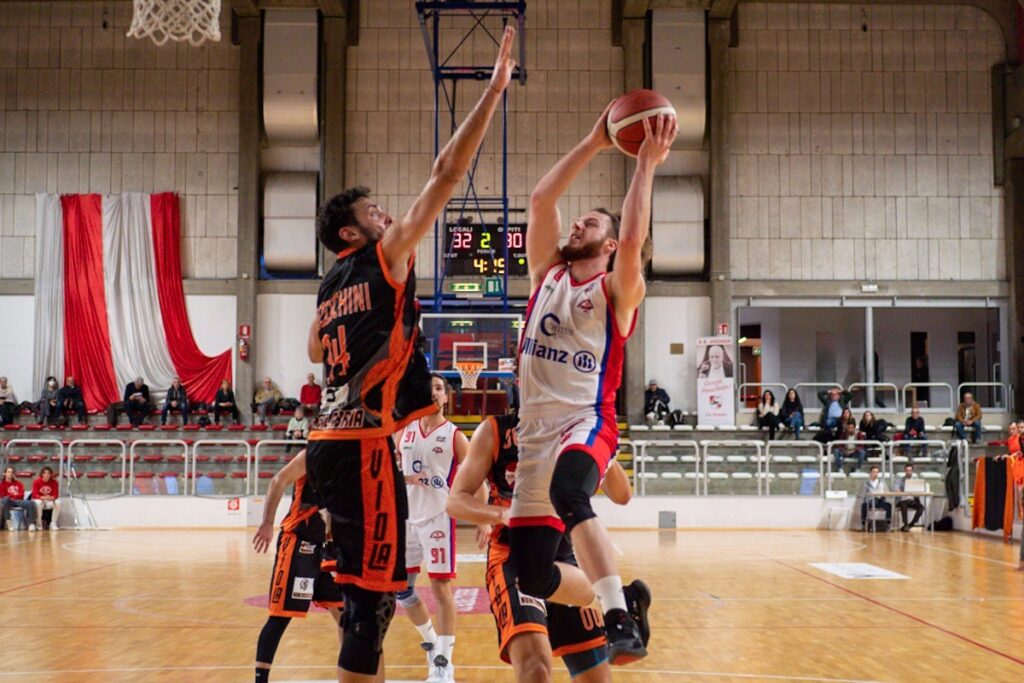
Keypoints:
(432, 541)
(541, 441)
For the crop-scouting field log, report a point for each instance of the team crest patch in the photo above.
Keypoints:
(586, 305)
(302, 588)
(437, 535)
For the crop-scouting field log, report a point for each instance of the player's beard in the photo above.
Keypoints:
(582, 252)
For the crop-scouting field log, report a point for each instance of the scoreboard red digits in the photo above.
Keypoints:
(476, 249)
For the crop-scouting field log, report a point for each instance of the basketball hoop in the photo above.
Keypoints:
(177, 20)
(469, 372)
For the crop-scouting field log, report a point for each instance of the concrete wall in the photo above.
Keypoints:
(674, 320)
(85, 108)
(864, 154)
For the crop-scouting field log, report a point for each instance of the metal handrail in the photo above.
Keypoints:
(224, 442)
(669, 443)
(816, 445)
(101, 442)
(996, 385)
(30, 442)
(929, 409)
(256, 457)
(913, 443)
(732, 443)
(158, 442)
(853, 442)
(632, 450)
(888, 386)
(813, 386)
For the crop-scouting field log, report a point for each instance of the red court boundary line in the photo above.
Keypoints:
(900, 612)
(56, 578)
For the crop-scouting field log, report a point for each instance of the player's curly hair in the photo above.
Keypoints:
(335, 214)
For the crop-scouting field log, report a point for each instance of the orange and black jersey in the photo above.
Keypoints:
(502, 477)
(375, 374)
(303, 518)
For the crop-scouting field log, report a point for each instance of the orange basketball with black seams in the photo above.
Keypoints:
(626, 116)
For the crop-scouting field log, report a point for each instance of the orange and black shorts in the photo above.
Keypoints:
(298, 580)
(570, 630)
(359, 484)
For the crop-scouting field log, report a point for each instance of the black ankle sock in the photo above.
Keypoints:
(262, 675)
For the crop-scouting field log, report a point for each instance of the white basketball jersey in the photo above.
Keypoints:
(572, 350)
(430, 457)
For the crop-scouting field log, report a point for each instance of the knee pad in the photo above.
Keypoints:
(573, 482)
(367, 617)
(533, 558)
(408, 597)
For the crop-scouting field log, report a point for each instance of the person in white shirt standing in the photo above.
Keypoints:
(431, 449)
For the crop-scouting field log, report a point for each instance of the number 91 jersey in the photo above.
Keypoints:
(429, 458)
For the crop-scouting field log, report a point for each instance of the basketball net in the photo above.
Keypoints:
(177, 20)
(469, 372)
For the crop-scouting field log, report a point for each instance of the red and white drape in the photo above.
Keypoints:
(109, 300)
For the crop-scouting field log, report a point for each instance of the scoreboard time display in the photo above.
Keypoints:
(476, 249)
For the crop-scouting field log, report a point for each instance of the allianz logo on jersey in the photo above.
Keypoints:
(582, 361)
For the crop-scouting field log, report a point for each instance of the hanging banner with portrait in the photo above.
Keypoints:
(716, 381)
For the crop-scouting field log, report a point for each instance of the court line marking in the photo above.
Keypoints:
(912, 617)
(929, 546)
(56, 578)
(300, 667)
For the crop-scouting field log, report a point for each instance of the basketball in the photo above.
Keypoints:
(626, 118)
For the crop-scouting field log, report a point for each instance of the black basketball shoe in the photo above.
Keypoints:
(624, 642)
(638, 601)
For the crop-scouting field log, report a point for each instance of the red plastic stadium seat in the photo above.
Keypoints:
(102, 428)
(143, 475)
(236, 428)
(259, 428)
(80, 428)
(238, 475)
(124, 428)
(202, 458)
(252, 442)
(289, 457)
(201, 411)
(96, 475)
(282, 427)
(214, 428)
(266, 475)
(169, 474)
(24, 474)
(106, 458)
(222, 458)
(83, 458)
(146, 428)
(188, 442)
(14, 458)
(168, 428)
(270, 458)
(36, 458)
(287, 413)
(241, 458)
(12, 428)
(153, 458)
(116, 475)
(175, 458)
(191, 428)
(34, 428)
(215, 475)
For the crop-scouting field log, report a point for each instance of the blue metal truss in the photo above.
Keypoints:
(447, 74)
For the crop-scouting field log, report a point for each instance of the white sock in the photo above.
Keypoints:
(427, 632)
(445, 644)
(609, 592)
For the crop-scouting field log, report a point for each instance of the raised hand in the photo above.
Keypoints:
(504, 64)
(658, 139)
(599, 133)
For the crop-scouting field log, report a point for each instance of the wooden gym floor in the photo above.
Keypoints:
(729, 606)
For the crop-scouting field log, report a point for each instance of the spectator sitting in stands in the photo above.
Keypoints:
(908, 502)
(298, 427)
(12, 496)
(224, 402)
(177, 399)
(844, 451)
(46, 496)
(310, 394)
(968, 415)
(8, 403)
(792, 413)
(136, 401)
(48, 407)
(768, 414)
(266, 399)
(873, 429)
(872, 487)
(655, 404)
(70, 400)
(913, 430)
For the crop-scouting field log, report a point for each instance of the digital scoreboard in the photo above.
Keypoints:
(478, 249)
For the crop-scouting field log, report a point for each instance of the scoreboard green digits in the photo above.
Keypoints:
(478, 249)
